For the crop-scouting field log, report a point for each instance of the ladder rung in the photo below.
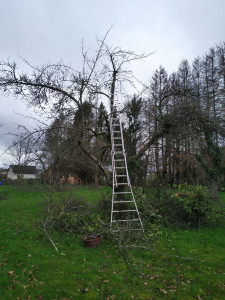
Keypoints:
(120, 167)
(118, 145)
(119, 159)
(117, 138)
(122, 183)
(118, 230)
(121, 175)
(123, 201)
(115, 125)
(130, 220)
(118, 193)
(117, 211)
(118, 152)
(116, 131)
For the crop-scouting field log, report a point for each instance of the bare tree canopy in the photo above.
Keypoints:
(58, 88)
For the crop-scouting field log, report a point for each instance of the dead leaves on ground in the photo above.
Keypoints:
(10, 273)
(4, 263)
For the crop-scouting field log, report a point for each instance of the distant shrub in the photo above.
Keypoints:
(185, 205)
(145, 206)
(194, 203)
(22, 181)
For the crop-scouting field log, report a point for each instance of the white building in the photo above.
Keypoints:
(22, 172)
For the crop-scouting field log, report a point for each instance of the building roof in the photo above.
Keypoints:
(20, 169)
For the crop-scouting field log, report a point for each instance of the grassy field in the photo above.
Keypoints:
(180, 264)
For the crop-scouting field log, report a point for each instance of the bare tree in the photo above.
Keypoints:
(57, 88)
(21, 150)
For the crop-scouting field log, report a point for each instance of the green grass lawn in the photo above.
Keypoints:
(181, 264)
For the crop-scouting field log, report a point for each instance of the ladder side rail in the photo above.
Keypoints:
(124, 152)
(113, 170)
(112, 207)
(113, 165)
(112, 151)
(135, 204)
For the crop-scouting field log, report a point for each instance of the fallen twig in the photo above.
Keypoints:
(53, 244)
(52, 190)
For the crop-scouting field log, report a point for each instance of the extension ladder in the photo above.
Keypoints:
(124, 212)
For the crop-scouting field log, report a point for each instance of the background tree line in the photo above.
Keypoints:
(182, 118)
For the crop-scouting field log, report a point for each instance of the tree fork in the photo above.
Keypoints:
(88, 153)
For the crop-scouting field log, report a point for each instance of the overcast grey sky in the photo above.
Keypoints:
(51, 30)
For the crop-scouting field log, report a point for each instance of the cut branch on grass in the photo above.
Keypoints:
(51, 241)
